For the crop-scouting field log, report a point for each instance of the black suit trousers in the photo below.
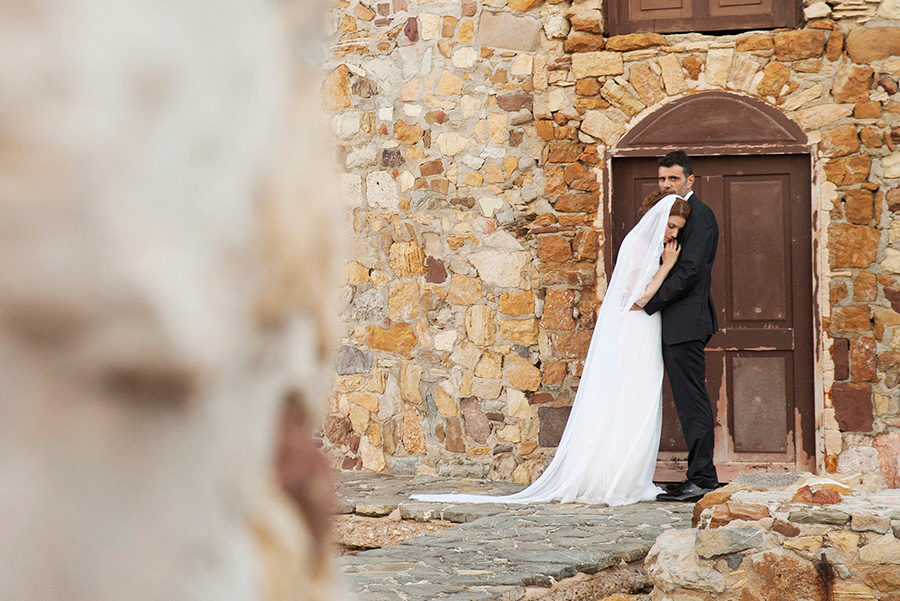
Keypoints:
(686, 367)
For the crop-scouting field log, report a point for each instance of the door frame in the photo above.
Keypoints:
(782, 137)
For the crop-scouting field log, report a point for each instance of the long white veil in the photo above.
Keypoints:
(580, 466)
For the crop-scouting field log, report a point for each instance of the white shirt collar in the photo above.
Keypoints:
(689, 194)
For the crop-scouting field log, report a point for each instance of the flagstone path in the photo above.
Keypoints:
(497, 551)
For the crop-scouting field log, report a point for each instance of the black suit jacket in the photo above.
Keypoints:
(684, 298)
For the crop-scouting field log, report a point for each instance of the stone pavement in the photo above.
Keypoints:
(496, 551)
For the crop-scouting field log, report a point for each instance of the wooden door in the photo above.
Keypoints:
(760, 363)
(662, 16)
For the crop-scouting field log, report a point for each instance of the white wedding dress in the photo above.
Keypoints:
(607, 453)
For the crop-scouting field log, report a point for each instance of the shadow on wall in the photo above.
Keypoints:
(167, 245)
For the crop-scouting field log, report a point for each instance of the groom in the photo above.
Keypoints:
(688, 322)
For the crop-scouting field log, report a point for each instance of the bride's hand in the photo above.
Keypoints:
(670, 253)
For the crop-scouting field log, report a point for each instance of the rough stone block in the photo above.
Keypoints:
(852, 406)
(477, 426)
(583, 42)
(412, 436)
(870, 523)
(464, 290)
(501, 268)
(754, 41)
(554, 248)
(480, 326)
(553, 422)
(848, 170)
(352, 360)
(521, 373)
(336, 89)
(598, 125)
(634, 41)
(517, 303)
(817, 117)
(381, 191)
(869, 44)
(841, 357)
(723, 541)
(577, 203)
(673, 564)
(852, 245)
(504, 30)
(672, 74)
(523, 331)
(570, 345)
(775, 76)
(796, 45)
(407, 259)
(435, 272)
(859, 209)
(852, 83)
(593, 64)
(863, 359)
(818, 516)
(883, 550)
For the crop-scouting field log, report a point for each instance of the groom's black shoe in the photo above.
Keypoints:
(690, 493)
(674, 488)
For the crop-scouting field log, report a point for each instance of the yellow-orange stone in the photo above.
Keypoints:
(463, 290)
(407, 259)
(517, 303)
(365, 399)
(480, 325)
(522, 5)
(520, 330)
(521, 373)
(336, 89)
(403, 300)
(407, 133)
(399, 339)
(413, 439)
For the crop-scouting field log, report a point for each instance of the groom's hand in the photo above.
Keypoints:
(636, 307)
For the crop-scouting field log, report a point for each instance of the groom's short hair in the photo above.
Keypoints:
(677, 157)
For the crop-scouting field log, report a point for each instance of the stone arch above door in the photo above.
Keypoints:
(713, 123)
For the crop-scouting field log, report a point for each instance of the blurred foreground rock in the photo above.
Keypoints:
(166, 250)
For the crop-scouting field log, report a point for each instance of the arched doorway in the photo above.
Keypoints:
(752, 167)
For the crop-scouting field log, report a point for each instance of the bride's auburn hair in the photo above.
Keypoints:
(680, 208)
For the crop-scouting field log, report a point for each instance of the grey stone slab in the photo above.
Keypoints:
(654, 518)
(344, 506)
(473, 595)
(369, 596)
(818, 516)
(470, 513)
(725, 540)
(630, 551)
(766, 480)
(375, 508)
(419, 511)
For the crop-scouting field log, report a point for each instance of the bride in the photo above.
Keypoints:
(607, 453)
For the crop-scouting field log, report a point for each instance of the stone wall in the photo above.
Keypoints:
(814, 539)
(473, 143)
